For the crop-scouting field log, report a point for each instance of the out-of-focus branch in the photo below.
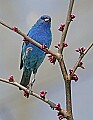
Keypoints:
(30, 92)
(46, 50)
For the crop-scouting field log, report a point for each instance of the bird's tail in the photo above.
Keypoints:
(25, 78)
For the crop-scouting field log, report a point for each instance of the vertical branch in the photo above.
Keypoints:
(68, 20)
(62, 63)
(68, 99)
(63, 68)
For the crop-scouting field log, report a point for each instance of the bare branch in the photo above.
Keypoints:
(80, 58)
(63, 68)
(46, 50)
(68, 20)
(62, 63)
(50, 103)
(64, 33)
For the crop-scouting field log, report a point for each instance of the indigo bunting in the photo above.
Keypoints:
(31, 55)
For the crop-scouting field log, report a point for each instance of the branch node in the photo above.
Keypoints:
(43, 94)
(60, 57)
(68, 77)
(15, 29)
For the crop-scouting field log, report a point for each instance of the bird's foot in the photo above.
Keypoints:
(29, 88)
(32, 82)
(30, 85)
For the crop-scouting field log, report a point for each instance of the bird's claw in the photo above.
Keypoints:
(30, 85)
(32, 82)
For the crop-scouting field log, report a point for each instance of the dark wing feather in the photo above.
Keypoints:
(21, 62)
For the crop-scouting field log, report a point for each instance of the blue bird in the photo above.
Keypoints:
(31, 55)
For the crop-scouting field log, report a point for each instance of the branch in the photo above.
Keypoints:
(64, 33)
(68, 21)
(63, 68)
(46, 50)
(62, 63)
(30, 92)
(80, 58)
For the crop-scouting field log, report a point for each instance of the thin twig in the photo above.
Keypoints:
(50, 103)
(80, 58)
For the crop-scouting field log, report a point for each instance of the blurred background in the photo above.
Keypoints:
(23, 14)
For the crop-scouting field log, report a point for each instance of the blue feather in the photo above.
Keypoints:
(32, 56)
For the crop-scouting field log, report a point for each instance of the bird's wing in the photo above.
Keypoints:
(39, 36)
(21, 62)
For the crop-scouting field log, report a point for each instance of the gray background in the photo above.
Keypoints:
(23, 14)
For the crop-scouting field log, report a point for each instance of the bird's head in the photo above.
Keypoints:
(44, 20)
